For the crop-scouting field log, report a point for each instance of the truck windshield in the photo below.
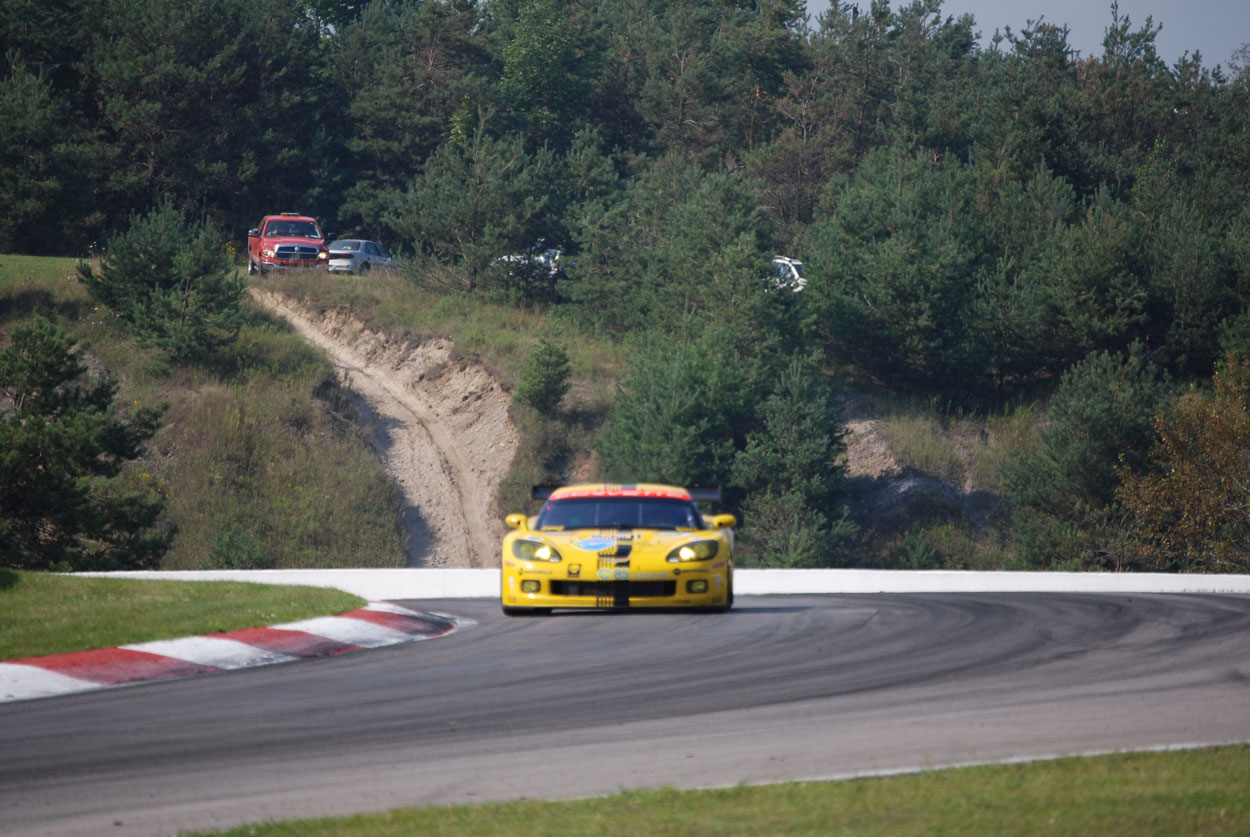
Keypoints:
(619, 513)
(293, 229)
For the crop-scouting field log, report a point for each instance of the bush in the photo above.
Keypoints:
(545, 378)
(1100, 428)
(172, 283)
(1192, 508)
(237, 550)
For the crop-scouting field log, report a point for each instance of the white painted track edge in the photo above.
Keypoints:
(393, 584)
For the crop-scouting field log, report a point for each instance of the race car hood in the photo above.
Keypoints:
(605, 543)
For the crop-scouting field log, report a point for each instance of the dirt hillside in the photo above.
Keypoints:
(442, 429)
(441, 426)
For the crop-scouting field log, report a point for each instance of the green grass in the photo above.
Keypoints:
(920, 442)
(44, 614)
(1194, 792)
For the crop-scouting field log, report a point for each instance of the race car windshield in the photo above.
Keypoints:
(619, 513)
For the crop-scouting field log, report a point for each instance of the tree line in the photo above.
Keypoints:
(978, 224)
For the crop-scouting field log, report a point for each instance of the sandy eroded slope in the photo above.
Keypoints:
(440, 424)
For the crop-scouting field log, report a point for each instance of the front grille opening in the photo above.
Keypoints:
(611, 589)
(296, 252)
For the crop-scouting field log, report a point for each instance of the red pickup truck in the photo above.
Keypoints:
(286, 242)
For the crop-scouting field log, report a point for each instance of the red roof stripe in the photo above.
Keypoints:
(621, 491)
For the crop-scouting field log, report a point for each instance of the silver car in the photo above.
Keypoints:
(356, 255)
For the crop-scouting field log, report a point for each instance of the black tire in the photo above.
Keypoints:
(364, 268)
(729, 601)
(251, 268)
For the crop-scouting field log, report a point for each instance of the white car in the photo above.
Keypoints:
(356, 255)
(540, 260)
(789, 273)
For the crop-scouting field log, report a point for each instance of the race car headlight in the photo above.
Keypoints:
(534, 551)
(694, 551)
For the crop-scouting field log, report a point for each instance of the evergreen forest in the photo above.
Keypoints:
(985, 220)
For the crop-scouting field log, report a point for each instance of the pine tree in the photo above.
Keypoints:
(64, 501)
(678, 412)
(545, 378)
(172, 283)
(1099, 429)
(479, 200)
(795, 514)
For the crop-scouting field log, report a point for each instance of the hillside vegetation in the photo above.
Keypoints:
(1027, 270)
(258, 461)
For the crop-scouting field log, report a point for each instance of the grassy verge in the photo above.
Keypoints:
(1195, 792)
(50, 614)
(259, 455)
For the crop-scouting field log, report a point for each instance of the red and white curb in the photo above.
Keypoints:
(375, 625)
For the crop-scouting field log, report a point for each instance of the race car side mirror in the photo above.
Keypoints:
(516, 521)
(724, 521)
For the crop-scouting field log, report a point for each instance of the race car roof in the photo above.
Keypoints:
(641, 489)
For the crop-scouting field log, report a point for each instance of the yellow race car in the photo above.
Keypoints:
(618, 546)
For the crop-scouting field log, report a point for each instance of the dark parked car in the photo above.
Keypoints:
(356, 255)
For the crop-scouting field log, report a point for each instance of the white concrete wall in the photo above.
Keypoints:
(444, 584)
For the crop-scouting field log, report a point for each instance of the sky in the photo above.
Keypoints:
(1216, 28)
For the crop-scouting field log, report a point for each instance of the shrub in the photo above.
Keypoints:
(171, 282)
(1192, 508)
(237, 550)
(544, 378)
(1100, 428)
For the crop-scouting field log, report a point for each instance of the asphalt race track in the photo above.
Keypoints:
(577, 704)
